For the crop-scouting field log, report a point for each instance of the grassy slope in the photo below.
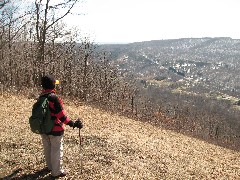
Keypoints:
(114, 147)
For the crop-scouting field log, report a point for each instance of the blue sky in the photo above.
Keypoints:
(123, 21)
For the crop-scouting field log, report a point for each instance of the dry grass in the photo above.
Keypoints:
(114, 147)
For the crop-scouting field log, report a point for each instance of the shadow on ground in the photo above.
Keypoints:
(17, 175)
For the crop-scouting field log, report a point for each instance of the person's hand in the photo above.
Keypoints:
(78, 124)
(71, 123)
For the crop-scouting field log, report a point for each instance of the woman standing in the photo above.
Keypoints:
(53, 141)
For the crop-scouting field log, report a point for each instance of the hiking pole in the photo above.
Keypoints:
(80, 151)
(79, 124)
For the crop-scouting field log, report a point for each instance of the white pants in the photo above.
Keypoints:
(53, 151)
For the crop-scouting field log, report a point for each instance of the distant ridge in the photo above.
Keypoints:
(124, 43)
(214, 58)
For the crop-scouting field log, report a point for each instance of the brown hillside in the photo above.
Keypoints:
(114, 147)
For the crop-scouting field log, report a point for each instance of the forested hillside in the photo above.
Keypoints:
(195, 81)
(113, 147)
(211, 62)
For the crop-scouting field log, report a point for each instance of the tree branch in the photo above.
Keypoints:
(2, 4)
(37, 21)
(68, 11)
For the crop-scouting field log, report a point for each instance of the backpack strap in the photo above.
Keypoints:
(47, 95)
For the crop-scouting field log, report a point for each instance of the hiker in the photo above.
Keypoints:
(53, 141)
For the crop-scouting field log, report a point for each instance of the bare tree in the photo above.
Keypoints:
(12, 24)
(48, 13)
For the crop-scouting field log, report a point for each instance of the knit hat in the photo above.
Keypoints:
(48, 82)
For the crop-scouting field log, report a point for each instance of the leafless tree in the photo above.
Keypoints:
(48, 13)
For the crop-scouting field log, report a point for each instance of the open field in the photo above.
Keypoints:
(114, 147)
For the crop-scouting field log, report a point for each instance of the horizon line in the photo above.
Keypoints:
(106, 43)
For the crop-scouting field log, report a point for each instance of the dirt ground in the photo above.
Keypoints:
(113, 147)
